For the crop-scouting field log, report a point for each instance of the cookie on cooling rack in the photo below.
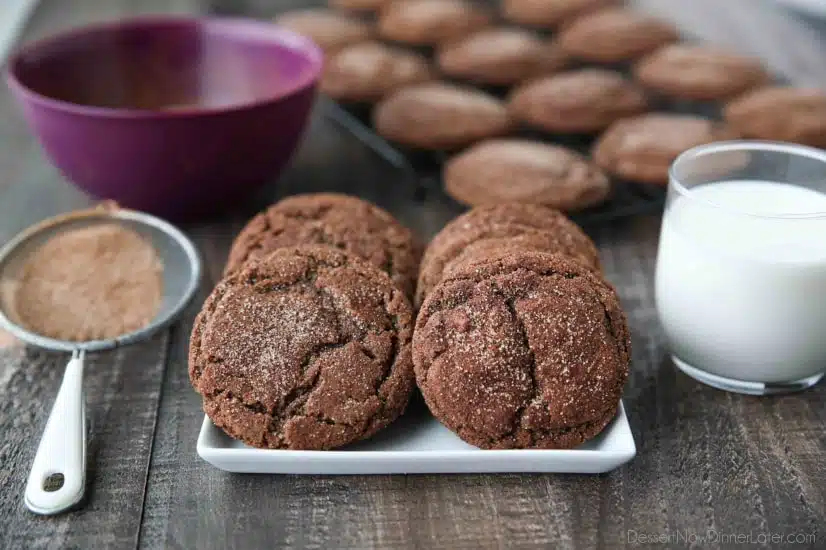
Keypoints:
(549, 13)
(500, 56)
(431, 22)
(519, 170)
(360, 6)
(368, 71)
(777, 113)
(615, 35)
(583, 101)
(642, 148)
(696, 72)
(440, 116)
(331, 31)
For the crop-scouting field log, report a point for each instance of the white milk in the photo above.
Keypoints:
(743, 296)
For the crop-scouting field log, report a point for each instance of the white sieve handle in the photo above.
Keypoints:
(62, 449)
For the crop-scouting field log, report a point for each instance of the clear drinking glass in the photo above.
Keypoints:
(741, 267)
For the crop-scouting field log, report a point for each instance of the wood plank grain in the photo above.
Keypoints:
(122, 387)
(706, 460)
(122, 390)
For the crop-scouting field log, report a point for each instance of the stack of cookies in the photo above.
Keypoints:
(519, 341)
(547, 101)
(308, 342)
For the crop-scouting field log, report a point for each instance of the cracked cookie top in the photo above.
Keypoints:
(502, 226)
(339, 221)
(306, 348)
(527, 350)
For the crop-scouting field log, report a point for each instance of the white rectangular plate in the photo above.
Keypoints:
(418, 444)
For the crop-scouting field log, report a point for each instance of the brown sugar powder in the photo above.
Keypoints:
(90, 283)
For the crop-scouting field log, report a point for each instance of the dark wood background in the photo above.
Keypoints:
(707, 460)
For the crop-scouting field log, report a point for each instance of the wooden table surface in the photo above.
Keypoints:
(707, 460)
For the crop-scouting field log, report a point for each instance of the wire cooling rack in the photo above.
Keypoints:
(627, 199)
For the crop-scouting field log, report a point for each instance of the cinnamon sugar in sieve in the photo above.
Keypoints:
(90, 283)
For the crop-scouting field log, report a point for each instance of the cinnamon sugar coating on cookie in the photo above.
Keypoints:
(518, 225)
(307, 348)
(340, 221)
(528, 350)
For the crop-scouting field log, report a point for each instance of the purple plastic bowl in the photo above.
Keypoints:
(174, 116)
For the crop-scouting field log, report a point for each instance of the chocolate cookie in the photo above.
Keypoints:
(431, 22)
(692, 72)
(307, 348)
(368, 71)
(329, 30)
(438, 116)
(509, 213)
(361, 6)
(518, 170)
(642, 148)
(613, 35)
(500, 56)
(776, 113)
(529, 350)
(487, 227)
(582, 101)
(549, 13)
(530, 240)
(334, 220)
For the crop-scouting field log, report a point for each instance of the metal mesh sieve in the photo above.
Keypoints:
(181, 272)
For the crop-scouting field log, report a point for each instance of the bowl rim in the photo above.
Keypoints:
(304, 46)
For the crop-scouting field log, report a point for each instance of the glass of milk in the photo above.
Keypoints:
(741, 267)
